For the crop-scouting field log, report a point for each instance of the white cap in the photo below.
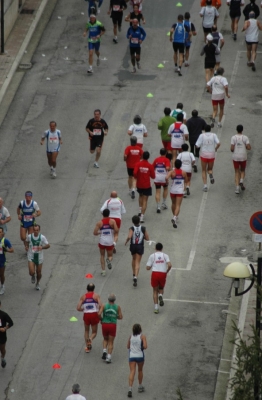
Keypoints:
(210, 37)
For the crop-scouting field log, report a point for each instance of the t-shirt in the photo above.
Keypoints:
(163, 125)
(209, 14)
(136, 35)
(240, 152)
(134, 155)
(178, 111)
(138, 16)
(115, 206)
(195, 126)
(4, 213)
(97, 127)
(117, 6)
(235, 5)
(218, 84)
(186, 158)
(158, 261)
(143, 171)
(207, 142)
(4, 320)
(52, 140)
(161, 164)
(177, 131)
(94, 31)
(138, 131)
(75, 397)
(180, 29)
(4, 243)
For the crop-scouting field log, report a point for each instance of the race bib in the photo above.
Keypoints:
(35, 249)
(53, 140)
(97, 132)
(28, 218)
(116, 8)
(134, 40)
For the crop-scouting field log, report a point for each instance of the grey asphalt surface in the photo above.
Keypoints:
(185, 339)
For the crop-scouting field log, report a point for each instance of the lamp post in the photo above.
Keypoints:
(2, 27)
(236, 271)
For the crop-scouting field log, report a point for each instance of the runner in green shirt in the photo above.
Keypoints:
(163, 125)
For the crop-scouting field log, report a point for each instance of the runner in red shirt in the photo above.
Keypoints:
(132, 155)
(143, 171)
(162, 166)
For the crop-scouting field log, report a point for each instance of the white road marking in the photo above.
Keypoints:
(198, 302)
(223, 372)
(228, 260)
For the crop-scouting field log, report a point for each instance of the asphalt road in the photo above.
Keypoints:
(185, 339)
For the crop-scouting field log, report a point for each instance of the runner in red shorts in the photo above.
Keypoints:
(218, 86)
(160, 265)
(163, 125)
(239, 146)
(90, 304)
(109, 313)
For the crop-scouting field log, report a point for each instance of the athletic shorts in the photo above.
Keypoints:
(145, 192)
(35, 262)
(103, 247)
(174, 195)
(189, 174)
(117, 18)
(158, 279)
(2, 265)
(136, 359)
(216, 102)
(118, 222)
(209, 65)
(53, 151)
(237, 164)
(207, 160)
(179, 47)
(137, 249)
(96, 142)
(207, 30)
(167, 145)
(235, 14)
(91, 318)
(94, 46)
(3, 340)
(250, 43)
(158, 185)
(109, 330)
(130, 171)
(135, 50)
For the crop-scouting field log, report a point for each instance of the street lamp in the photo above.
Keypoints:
(237, 271)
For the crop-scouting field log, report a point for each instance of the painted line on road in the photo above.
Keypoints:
(179, 269)
(222, 372)
(198, 302)
(228, 260)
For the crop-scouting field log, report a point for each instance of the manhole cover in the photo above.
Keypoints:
(25, 66)
(27, 11)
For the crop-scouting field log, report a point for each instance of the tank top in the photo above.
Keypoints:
(52, 142)
(186, 160)
(179, 33)
(106, 233)
(90, 305)
(2, 216)
(27, 211)
(34, 244)
(110, 313)
(177, 136)
(252, 31)
(177, 182)
(138, 235)
(208, 146)
(240, 151)
(160, 170)
(136, 347)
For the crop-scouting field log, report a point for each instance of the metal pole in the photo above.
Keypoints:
(2, 28)
(258, 322)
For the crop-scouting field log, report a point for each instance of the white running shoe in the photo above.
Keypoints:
(2, 290)
(51, 171)
(141, 389)
(96, 165)
(53, 175)
(37, 287)
(103, 273)
(164, 206)
(237, 190)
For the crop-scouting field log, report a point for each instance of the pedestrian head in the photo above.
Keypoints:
(137, 119)
(179, 106)
(187, 15)
(185, 147)
(209, 2)
(252, 14)
(106, 212)
(112, 298)
(52, 125)
(180, 18)
(240, 128)
(178, 164)
(136, 8)
(180, 117)
(36, 228)
(210, 38)
(136, 220)
(194, 113)
(133, 140)
(113, 194)
(207, 128)
(135, 23)
(220, 71)
(92, 18)
(90, 287)
(146, 155)
(214, 28)
(75, 388)
(137, 329)
(163, 151)
(97, 114)
(159, 246)
(28, 194)
(167, 111)
(2, 232)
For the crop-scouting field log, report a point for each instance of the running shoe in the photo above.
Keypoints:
(205, 189)
(141, 389)
(53, 175)
(87, 350)
(119, 28)
(3, 363)
(135, 281)
(129, 394)
(186, 64)
(253, 67)
(2, 290)
(195, 168)
(33, 279)
(96, 165)
(249, 64)
(158, 210)
(179, 72)
(108, 360)
(142, 218)
(235, 36)
(242, 186)
(51, 171)
(103, 273)
(156, 311)
(212, 122)
(134, 70)
(98, 61)
(219, 125)
(89, 344)
(115, 41)
(138, 65)
(237, 190)
(174, 223)
(89, 71)
(161, 301)
(212, 180)
(176, 69)
(164, 206)
(184, 195)
(104, 355)
(37, 287)
(108, 263)
(187, 191)
(133, 195)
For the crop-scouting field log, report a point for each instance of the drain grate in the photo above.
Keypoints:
(27, 11)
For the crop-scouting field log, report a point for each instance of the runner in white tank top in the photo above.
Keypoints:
(252, 28)
(188, 160)
(239, 146)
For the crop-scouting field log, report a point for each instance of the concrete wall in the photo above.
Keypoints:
(11, 13)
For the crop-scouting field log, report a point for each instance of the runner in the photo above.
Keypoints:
(218, 86)
(27, 211)
(136, 236)
(219, 41)
(188, 42)
(90, 304)
(188, 161)
(162, 166)
(116, 208)
(132, 155)
(138, 130)
(235, 14)
(5, 247)
(195, 126)
(215, 3)
(133, 3)
(143, 171)
(178, 182)
(4, 216)
(107, 229)
(75, 395)
(115, 11)
(160, 265)
(136, 344)
(239, 146)
(92, 7)
(136, 35)
(178, 110)
(252, 6)
(163, 125)
(97, 128)
(209, 15)
(96, 29)
(209, 143)
(35, 244)
(53, 143)
(135, 14)
(109, 314)
(252, 28)
(6, 323)
(179, 29)
(179, 133)
(211, 51)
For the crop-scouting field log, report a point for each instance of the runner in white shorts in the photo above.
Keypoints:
(188, 160)
(53, 142)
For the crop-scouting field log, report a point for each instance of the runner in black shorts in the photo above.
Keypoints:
(235, 14)
(116, 9)
(97, 128)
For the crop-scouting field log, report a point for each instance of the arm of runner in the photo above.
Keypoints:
(248, 147)
(43, 138)
(119, 313)
(146, 235)
(128, 342)
(171, 34)
(259, 24)
(6, 220)
(222, 42)
(79, 304)
(8, 247)
(97, 229)
(113, 224)
(186, 133)
(246, 25)
(185, 176)
(60, 139)
(152, 172)
(130, 234)
(100, 312)
(169, 266)
(85, 32)
(226, 90)
(143, 338)
(104, 206)
(37, 212)
(217, 146)
(149, 263)
(127, 18)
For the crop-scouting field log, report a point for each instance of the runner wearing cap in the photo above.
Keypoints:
(132, 155)
(53, 142)
(27, 211)
(210, 50)
(138, 130)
